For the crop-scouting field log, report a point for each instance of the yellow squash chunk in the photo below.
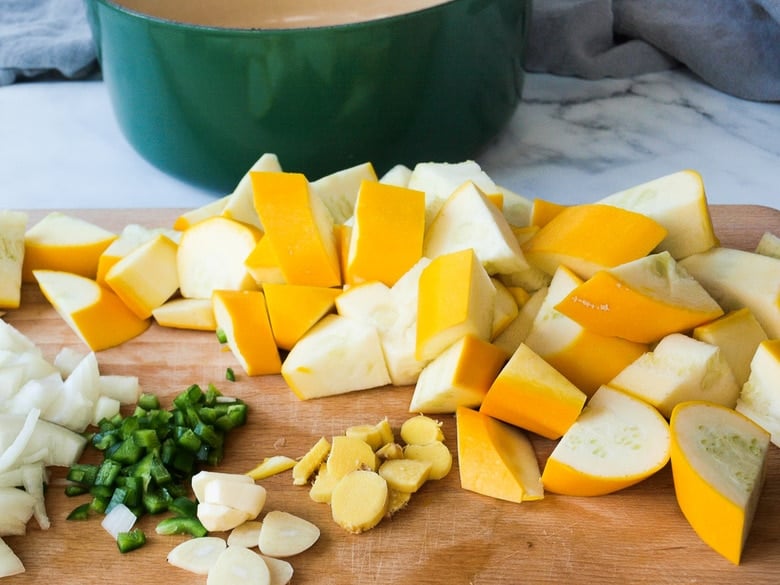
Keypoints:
(398, 175)
(531, 394)
(678, 369)
(181, 313)
(617, 441)
(339, 190)
(590, 237)
(405, 475)
(520, 295)
(769, 245)
(759, 399)
(453, 380)
(242, 316)
(359, 501)
(738, 335)
(719, 460)
(336, 356)
(271, 466)
(643, 300)
(350, 453)
(496, 459)
(131, 236)
(505, 308)
(146, 277)
(456, 297)
(587, 359)
(64, 243)
(436, 453)
(469, 220)
(300, 228)
(496, 199)
(738, 279)
(393, 311)
(191, 217)
(311, 461)
(440, 180)
(241, 205)
(543, 211)
(211, 257)
(383, 214)
(421, 430)
(263, 264)
(516, 208)
(678, 202)
(94, 312)
(295, 308)
(12, 227)
(517, 331)
(342, 234)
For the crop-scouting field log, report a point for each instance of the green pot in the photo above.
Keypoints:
(203, 101)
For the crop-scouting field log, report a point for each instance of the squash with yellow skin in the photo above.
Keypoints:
(587, 238)
(64, 243)
(719, 460)
(87, 306)
(294, 309)
(531, 394)
(385, 213)
(243, 318)
(299, 226)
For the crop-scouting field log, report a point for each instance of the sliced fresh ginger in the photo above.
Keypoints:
(348, 454)
(322, 487)
(405, 475)
(368, 433)
(285, 535)
(421, 429)
(359, 500)
(436, 453)
(271, 466)
(310, 462)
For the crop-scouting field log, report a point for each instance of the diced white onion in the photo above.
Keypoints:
(119, 519)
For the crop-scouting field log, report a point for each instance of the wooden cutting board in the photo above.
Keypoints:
(445, 536)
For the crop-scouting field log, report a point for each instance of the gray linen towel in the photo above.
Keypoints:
(43, 36)
(734, 45)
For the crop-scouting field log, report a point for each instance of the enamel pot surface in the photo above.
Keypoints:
(203, 89)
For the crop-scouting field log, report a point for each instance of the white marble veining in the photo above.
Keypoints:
(570, 141)
(573, 140)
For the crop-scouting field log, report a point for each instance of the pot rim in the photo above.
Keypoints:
(119, 7)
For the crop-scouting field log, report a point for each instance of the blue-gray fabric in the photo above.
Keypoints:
(44, 36)
(734, 45)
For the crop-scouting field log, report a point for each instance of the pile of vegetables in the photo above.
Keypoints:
(607, 327)
(149, 459)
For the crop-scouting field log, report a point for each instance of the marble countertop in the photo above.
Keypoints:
(570, 141)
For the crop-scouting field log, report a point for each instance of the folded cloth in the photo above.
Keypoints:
(43, 36)
(734, 45)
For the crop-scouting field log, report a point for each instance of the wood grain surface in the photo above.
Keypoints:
(445, 536)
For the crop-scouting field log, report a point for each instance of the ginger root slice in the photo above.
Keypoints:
(359, 500)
